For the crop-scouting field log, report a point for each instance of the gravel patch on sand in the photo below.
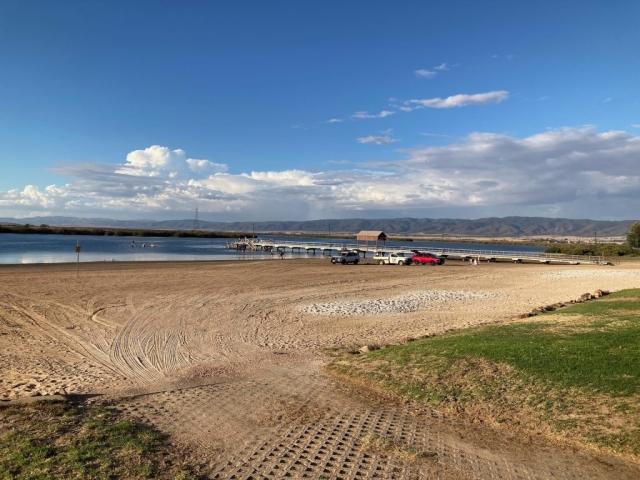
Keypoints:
(592, 274)
(405, 303)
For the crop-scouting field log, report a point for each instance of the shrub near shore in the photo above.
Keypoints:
(601, 249)
(570, 374)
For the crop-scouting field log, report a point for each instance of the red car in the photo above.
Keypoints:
(424, 258)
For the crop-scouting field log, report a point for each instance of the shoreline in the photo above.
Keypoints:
(311, 306)
(628, 260)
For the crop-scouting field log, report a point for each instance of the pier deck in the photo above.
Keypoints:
(327, 248)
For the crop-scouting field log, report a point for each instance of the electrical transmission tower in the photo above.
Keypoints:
(196, 222)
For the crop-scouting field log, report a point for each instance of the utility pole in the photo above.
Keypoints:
(196, 222)
(443, 239)
(329, 233)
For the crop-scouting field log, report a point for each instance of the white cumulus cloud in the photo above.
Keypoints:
(382, 114)
(205, 166)
(158, 161)
(570, 172)
(462, 100)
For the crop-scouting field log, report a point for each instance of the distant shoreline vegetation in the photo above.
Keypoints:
(602, 249)
(144, 232)
(115, 232)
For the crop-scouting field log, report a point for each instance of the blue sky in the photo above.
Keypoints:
(301, 110)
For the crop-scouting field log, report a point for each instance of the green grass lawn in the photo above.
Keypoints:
(45, 440)
(573, 373)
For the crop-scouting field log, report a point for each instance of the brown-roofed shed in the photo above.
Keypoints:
(371, 236)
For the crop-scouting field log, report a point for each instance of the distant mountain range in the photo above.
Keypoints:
(487, 227)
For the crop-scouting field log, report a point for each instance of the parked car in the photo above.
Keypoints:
(346, 257)
(422, 258)
(391, 258)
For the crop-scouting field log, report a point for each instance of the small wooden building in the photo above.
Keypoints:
(369, 236)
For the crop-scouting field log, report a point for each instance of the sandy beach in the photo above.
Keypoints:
(171, 339)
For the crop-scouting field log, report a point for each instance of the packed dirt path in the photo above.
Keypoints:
(227, 357)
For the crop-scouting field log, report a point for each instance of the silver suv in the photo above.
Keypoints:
(346, 257)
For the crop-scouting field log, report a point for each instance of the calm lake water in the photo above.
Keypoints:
(17, 248)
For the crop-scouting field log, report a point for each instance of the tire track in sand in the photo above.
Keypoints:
(61, 335)
(148, 347)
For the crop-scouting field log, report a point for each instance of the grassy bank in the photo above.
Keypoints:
(45, 440)
(572, 374)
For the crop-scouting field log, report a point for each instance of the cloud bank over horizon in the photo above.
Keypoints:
(568, 172)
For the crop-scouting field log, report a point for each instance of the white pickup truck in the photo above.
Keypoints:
(390, 258)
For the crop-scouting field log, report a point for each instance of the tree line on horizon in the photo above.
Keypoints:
(117, 232)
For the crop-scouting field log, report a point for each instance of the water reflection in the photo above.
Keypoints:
(34, 258)
(29, 249)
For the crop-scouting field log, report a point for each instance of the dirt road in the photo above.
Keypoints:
(227, 357)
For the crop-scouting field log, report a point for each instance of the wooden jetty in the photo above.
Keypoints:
(327, 248)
